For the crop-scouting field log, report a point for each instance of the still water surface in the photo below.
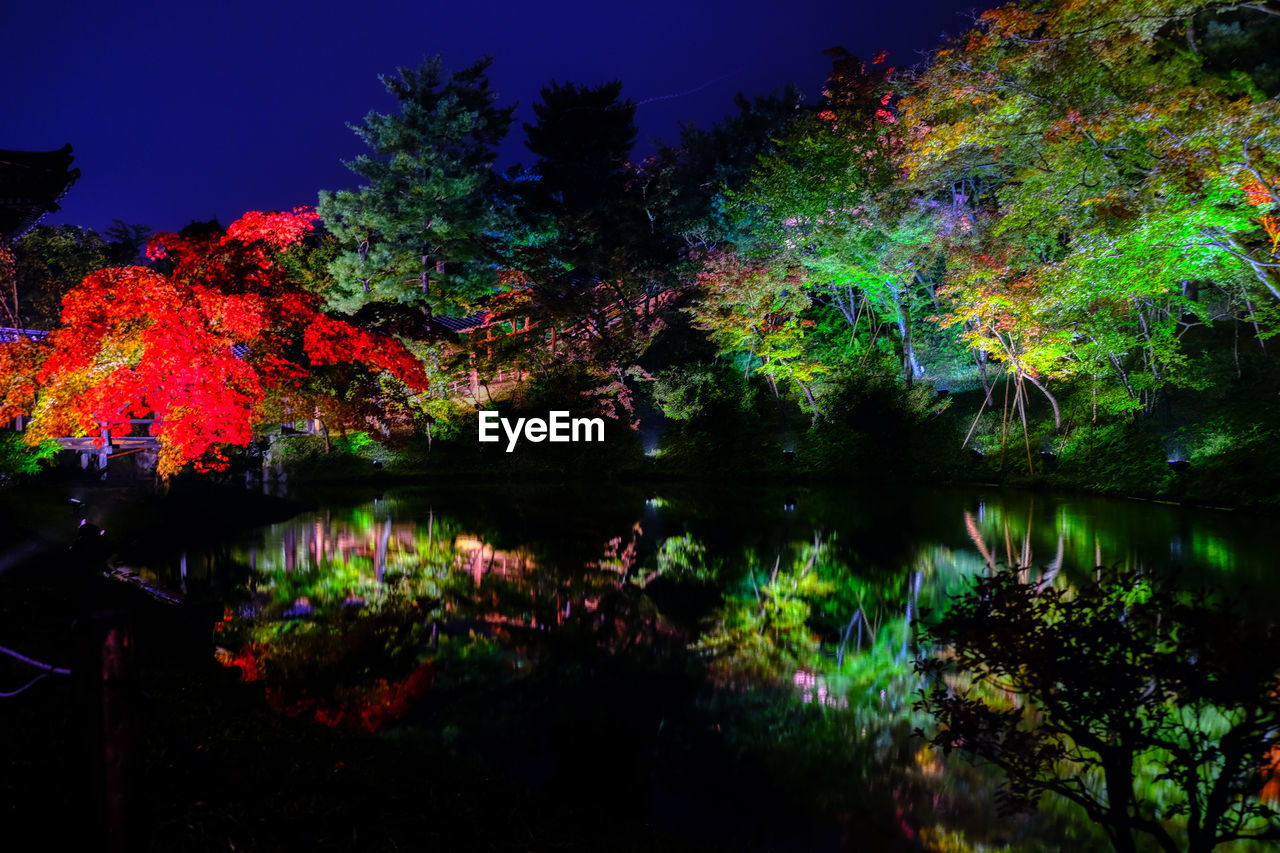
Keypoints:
(734, 663)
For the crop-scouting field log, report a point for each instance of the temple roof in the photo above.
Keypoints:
(31, 185)
(461, 324)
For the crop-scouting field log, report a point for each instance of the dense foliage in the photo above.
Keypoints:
(1068, 222)
(216, 343)
(1152, 708)
(417, 230)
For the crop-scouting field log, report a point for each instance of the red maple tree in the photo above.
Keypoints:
(208, 343)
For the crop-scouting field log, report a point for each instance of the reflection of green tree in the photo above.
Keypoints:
(1085, 532)
(1151, 708)
(762, 633)
(1003, 533)
(685, 559)
(344, 601)
(357, 558)
(874, 650)
(816, 638)
(823, 657)
(816, 615)
(362, 597)
(1211, 549)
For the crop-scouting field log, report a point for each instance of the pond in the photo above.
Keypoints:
(728, 666)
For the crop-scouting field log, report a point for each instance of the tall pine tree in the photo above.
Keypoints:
(577, 205)
(418, 230)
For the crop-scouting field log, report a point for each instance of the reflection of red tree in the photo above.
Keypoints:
(248, 659)
(1270, 793)
(619, 557)
(367, 707)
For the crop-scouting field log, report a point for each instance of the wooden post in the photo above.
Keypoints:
(106, 688)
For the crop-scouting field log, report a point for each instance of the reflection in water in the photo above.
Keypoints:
(358, 617)
(1150, 705)
(346, 613)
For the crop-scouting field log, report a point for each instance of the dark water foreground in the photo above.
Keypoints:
(726, 668)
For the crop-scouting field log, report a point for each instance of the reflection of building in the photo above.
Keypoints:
(484, 559)
(314, 543)
(31, 185)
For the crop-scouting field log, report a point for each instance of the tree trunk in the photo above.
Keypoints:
(1119, 782)
(911, 367)
(1057, 414)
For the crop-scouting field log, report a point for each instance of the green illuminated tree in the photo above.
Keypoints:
(1104, 163)
(757, 310)
(419, 229)
(586, 243)
(47, 263)
(825, 202)
(692, 180)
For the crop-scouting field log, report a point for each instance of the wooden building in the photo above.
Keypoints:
(31, 185)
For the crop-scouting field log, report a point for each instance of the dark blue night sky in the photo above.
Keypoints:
(183, 111)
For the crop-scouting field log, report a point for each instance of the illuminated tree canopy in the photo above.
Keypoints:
(209, 347)
(418, 230)
(1077, 200)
